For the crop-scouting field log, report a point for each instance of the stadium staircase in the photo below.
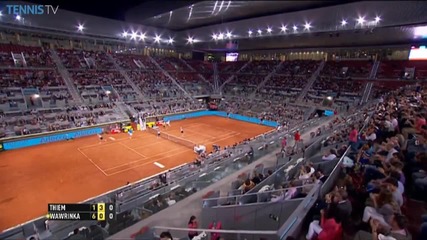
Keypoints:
(310, 82)
(266, 79)
(216, 78)
(234, 75)
(368, 87)
(66, 77)
(170, 77)
(126, 76)
(198, 74)
(126, 110)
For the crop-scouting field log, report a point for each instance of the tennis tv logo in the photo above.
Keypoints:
(21, 9)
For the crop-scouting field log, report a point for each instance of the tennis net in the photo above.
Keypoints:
(172, 138)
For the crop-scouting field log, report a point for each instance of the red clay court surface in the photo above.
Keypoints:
(73, 171)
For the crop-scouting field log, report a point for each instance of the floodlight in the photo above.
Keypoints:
(361, 20)
(283, 28)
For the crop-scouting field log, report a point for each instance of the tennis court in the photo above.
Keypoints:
(73, 171)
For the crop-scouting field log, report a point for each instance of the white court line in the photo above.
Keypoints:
(100, 169)
(133, 150)
(142, 159)
(109, 143)
(210, 137)
(146, 163)
(159, 165)
(111, 138)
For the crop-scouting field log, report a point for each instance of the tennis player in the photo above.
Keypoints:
(158, 133)
(130, 133)
(168, 123)
(101, 138)
(182, 130)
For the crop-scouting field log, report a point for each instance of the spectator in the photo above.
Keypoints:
(382, 208)
(192, 223)
(398, 230)
(247, 186)
(166, 236)
(353, 138)
(329, 226)
(331, 155)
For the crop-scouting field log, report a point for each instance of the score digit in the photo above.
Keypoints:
(101, 216)
(101, 207)
(93, 216)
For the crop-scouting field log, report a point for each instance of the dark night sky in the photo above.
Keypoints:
(116, 9)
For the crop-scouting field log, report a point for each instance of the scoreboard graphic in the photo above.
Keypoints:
(67, 212)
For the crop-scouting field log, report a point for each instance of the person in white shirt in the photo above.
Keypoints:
(330, 156)
(370, 135)
(306, 172)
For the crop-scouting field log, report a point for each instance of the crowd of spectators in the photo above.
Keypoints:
(347, 69)
(298, 67)
(133, 62)
(78, 59)
(32, 56)
(29, 78)
(386, 167)
(45, 120)
(260, 67)
(263, 109)
(157, 107)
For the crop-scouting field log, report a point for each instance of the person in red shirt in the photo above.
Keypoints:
(352, 138)
(297, 136)
(193, 225)
(284, 142)
(329, 226)
(416, 127)
(298, 142)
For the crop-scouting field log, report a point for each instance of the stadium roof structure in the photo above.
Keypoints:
(241, 25)
(208, 13)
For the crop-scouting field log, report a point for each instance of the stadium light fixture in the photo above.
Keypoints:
(18, 17)
(125, 34)
(133, 35)
(80, 27)
(190, 40)
(220, 36)
(295, 27)
(214, 36)
(259, 31)
(170, 41)
(361, 20)
(343, 22)
(269, 30)
(377, 19)
(250, 32)
(1, 13)
(283, 29)
(142, 36)
(157, 39)
(307, 26)
(228, 34)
